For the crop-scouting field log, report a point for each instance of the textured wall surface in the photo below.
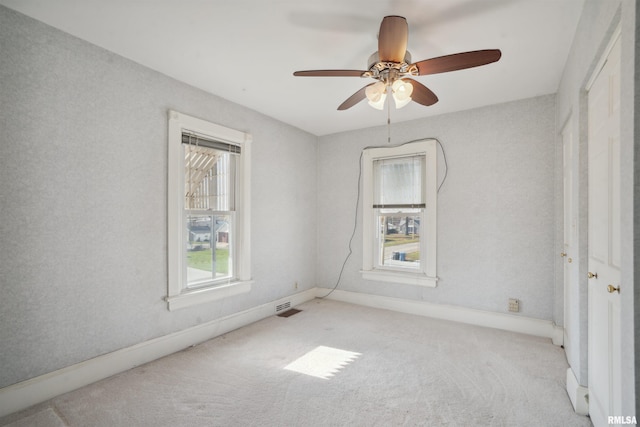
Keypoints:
(496, 210)
(598, 22)
(83, 264)
(83, 199)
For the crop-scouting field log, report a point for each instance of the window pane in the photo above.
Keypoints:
(399, 242)
(209, 178)
(208, 248)
(398, 181)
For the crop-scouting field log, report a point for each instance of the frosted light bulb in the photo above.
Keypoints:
(376, 94)
(402, 91)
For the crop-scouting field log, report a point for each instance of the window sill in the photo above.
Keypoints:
(200, 296)
(417, 279)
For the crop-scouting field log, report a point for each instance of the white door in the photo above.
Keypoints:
(570, 234)
(604, 241)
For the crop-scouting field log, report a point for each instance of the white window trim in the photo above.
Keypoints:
(427, 277)
(177, 295)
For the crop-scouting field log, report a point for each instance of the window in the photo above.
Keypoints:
(208, 232)
(399, 207)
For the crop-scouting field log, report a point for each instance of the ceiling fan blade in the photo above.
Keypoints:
(392, 39)
(422, 94)
(355, 98)
(458, 61)
(329, 73)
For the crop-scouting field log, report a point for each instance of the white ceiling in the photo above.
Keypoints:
(246, 50)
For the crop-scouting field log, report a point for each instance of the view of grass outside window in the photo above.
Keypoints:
(399, 239)
(207, 261)
(200, 259)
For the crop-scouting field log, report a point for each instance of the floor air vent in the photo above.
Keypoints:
(283, 306)
(289, 312)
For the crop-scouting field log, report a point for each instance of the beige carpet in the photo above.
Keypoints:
(333, 364)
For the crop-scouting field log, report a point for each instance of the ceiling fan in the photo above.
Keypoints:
(391, 66)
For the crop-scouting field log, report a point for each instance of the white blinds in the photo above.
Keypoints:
(398, 182)
(193, 139)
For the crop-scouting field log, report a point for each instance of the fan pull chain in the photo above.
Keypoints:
(388, 115)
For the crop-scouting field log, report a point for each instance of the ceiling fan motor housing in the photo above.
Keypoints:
(389, 71)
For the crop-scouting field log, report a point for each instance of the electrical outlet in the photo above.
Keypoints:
(295, 286)
(514, 305)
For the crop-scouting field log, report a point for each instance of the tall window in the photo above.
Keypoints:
(208, 211)
(399, 198)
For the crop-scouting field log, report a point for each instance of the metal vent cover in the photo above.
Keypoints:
(283, 306)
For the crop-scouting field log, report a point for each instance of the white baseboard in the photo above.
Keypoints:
(39, 389)
(507, 322)
(577, 394)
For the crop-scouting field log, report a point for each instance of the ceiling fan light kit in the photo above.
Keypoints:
(402, 91)
(376, 94)
(391, 66)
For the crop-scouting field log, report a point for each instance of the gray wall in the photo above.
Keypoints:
(595, 29)
(83, 171)
(496, 224)
(83, 199)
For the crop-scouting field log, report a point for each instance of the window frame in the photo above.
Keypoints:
(179, 295)
(371, 268)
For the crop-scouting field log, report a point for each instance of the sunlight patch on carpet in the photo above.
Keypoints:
(322, 362)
